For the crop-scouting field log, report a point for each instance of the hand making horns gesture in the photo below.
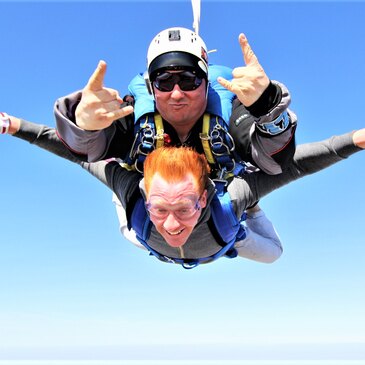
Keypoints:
(250, 81)
(99, 106)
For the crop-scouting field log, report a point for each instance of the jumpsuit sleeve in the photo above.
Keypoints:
(264, 133)
(124, 183)
(114, 141)
(309, 158)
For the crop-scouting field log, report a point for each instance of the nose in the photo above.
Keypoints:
(177, 93)
(171, 223)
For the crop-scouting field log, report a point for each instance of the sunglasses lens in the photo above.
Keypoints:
(164, 82)
(189, 81)
(186, 80)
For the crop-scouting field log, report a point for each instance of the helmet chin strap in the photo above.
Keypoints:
(196, 14)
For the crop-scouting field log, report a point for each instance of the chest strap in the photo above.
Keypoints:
(149, 134)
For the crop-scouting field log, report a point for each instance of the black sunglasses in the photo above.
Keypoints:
(186, 80)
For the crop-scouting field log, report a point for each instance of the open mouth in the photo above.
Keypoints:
(176, 233)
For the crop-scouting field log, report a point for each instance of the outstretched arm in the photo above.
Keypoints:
(46, 137)
(42, 136)
(308, 159)
(124, 183)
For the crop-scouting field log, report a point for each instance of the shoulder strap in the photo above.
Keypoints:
(140, 221)
(205, 139)
(228, 225)
(159, 131)
(149, 134)
(219, 148)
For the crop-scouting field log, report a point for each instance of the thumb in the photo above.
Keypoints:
(96, 80)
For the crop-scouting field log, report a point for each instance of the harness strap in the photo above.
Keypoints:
(159, 131)
(217, 143)
(223, 213)
(149, 134)
(219, 148)
(204, 136)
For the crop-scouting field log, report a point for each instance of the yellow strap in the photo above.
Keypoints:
(159, 131)
(127, 167)
(204, 136)
(145, 124)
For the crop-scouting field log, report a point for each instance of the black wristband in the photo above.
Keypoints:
(269, 99)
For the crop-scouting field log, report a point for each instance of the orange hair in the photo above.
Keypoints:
(173, 163)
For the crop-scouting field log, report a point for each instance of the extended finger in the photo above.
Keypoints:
(248, 54)
(96, 80)
(225, 83)
(119, 113)
(111, 105)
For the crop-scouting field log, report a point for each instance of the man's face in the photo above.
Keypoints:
(175, 207)
(181, 108)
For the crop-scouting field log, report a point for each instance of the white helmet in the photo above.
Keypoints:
(176, 48)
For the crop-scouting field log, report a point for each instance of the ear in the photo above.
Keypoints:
(203, 199)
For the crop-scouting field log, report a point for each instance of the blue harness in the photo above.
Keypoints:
(219, 149)
(218, 145)
(223, 220)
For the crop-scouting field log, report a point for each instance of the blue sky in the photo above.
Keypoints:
(72, 287)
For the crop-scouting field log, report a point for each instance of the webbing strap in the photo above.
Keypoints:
(204, 136)
(159, 131)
